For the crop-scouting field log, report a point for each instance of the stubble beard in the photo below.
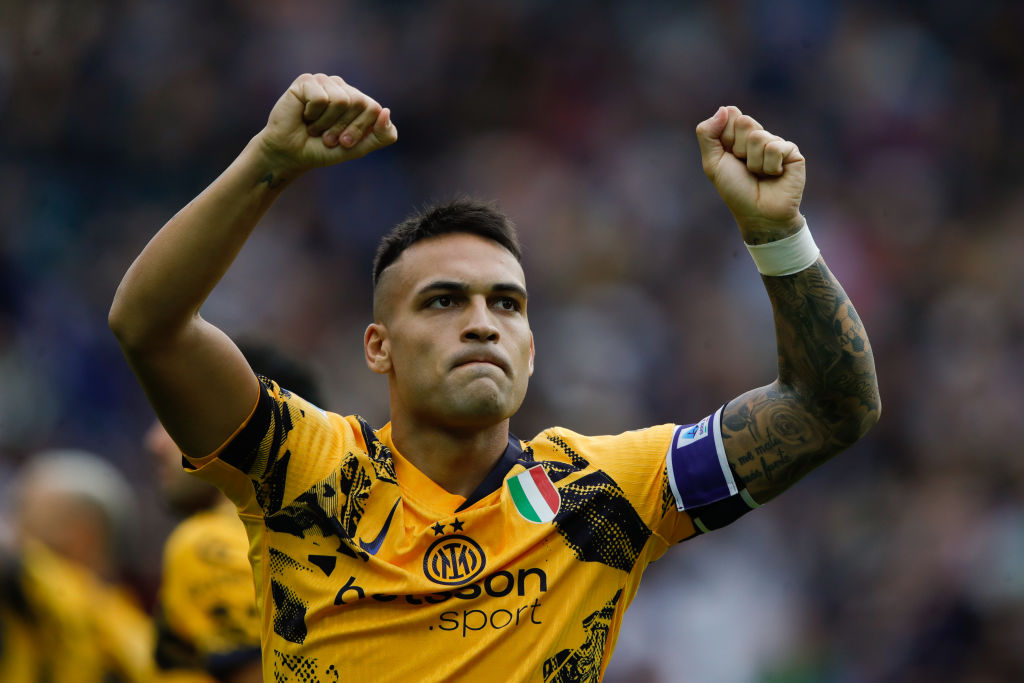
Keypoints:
(478, 403)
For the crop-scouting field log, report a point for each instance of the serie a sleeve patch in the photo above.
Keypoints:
(699, 475)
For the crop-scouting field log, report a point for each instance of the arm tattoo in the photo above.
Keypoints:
(826, 395)
(272, 181)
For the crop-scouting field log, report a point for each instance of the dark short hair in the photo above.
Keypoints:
(288, 372)
(460, 215)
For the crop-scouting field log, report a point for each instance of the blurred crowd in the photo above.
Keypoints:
(901, 560)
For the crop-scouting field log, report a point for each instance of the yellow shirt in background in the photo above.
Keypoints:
(73, 627)
(207, 614)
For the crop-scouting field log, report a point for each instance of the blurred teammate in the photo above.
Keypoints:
(63, 614)
(208, 627)
(439, 546)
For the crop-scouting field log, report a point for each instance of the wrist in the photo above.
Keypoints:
(270, 165)
(786, 256)
(761, 231)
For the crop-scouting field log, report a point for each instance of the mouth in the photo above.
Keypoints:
(480, 359)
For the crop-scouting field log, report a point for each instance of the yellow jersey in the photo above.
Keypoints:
(66, 625)
(366, 569)
(207, 618)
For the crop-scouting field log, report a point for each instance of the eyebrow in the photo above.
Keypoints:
(454, 286)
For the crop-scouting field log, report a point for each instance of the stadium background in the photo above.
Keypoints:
(901, 560)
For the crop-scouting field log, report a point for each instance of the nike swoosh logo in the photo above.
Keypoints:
(373, 546)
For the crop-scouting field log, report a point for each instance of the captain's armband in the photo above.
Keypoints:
(702, 482)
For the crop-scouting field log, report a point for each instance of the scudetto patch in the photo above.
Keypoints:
(534, 496)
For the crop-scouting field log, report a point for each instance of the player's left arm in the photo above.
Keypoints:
(826, 395)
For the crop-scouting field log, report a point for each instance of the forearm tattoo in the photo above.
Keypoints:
(826, 396)
(272, 181)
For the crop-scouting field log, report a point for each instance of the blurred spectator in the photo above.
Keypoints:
(63, 616)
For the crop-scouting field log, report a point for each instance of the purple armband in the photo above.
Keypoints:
(698, 471)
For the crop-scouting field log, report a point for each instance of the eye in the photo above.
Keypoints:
(507, 303)
(441, 301)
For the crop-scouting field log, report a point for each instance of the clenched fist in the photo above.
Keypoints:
(759, 175)
(322, 120)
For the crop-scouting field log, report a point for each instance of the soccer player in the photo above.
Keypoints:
(63, 614)
(208, 627)
(440, 547)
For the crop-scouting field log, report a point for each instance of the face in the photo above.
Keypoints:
(60, 520)
(181, 492)
(452, 333)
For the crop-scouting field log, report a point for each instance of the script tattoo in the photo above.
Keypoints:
(826, 395)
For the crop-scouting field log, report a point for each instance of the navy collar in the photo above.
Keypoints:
(496, 477)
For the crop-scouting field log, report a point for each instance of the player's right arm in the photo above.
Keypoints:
(197, 380)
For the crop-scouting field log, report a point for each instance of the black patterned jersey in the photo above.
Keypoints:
(368, 570)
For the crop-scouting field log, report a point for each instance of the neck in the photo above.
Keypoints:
(457, 460)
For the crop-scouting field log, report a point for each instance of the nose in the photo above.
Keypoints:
(479, 326)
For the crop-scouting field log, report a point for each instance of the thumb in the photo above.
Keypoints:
(709, 138)
(383, 133)
(383, 129)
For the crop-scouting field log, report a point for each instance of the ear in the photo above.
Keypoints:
(377, 348)
(532, 354)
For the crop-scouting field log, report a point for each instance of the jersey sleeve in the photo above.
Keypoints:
(634, 464)
(675, 476)
(284, 446)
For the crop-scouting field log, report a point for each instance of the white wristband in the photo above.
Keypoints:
(786, 256)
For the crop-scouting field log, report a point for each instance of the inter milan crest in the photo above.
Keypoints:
(534, 496)
(453, 560)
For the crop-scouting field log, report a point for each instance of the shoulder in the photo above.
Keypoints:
(281, 417)
(559, 443)
(289, 408)
(632, 462)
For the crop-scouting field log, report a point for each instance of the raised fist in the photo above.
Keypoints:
(322, 120)
(759, 175)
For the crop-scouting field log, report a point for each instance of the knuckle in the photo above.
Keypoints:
(759, 136)
(783, 148)
(361, 100)
(341, 99)
(747, 123)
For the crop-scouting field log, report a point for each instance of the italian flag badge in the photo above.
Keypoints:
(534, 496)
